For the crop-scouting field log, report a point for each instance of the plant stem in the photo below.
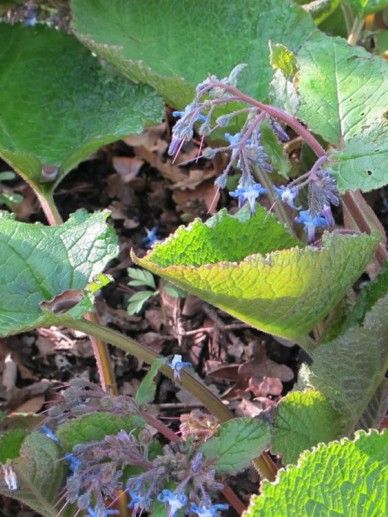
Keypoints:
(49, 208)
(278, 208)
(100, 350)
(264, 463)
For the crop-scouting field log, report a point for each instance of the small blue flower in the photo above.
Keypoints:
(233, 140)
(208, 511)
(45, 429)
(249, 193)
(177, 365)
(151, 237)
(287, 195)
(73, 461)
(175, 500)
(138, 501)
(100, 511)
(311, 222)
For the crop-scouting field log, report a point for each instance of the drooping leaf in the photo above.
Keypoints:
(94, 427)
(236, 443)
(146, 391)
(342, 478)
(274, 150)
(10, 443)
(349, 369)
(39, 472)
(174, 46)
(344, 96)
(303, 419)
(40, 262)
(244, 267)
(58, 104)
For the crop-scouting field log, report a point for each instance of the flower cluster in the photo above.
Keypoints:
(248, 153)
(178, 478)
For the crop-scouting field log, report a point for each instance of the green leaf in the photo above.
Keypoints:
(175, 46)
(344, 98)
(140, 277)
(349, 369)
(274, 149)
(146, 391)
(58, 104)
(40, 262)
(94, 427)
(282, 58)
(236, 443)
(369, 295)
(137, 301)
(39, 472)
(248, 267)
(346, 478)
(303, 419)
(10, 444)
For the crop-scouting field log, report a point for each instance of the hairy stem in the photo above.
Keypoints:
(100, 349)
(264, 463)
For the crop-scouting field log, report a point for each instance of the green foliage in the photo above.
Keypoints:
(39, 471)
(94, 427)
(146, 391)
(40, 262)
(364, 7)
(227, 261)
(138, 300)
(349, 369)
(274, 150)
(175, 47)
(58, 104)
(303, 419)
(140, 277)
(343, 93)
(342, 478)
(236, 443)
(10, 443)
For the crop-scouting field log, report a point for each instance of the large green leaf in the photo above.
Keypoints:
(58, 104)
(39, 472)
(236, 443)
(94, 427)
(344, 98)
(174, 45)
(346, 478)
(10, 443)
(349, 369)
(249, 268)
(303, 419)
(40, 262)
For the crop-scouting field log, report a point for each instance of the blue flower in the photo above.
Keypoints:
(73, 461)
(45, 429)
(249, 193)
(287, 195)
(208, 511)
(177, 365)
(100, 511)
(311, 222)
(138, 501)
(233, 140)
(175, 500)
(151, 237)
